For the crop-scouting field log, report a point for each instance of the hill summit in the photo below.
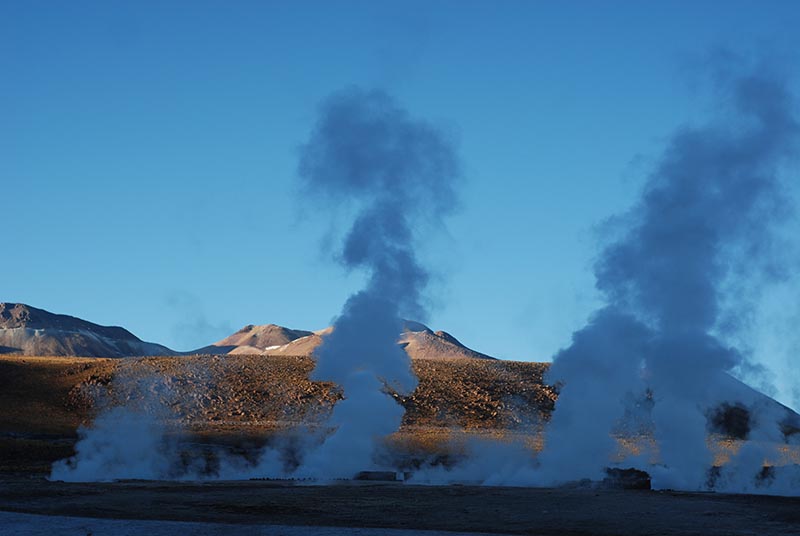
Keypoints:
(254, 340)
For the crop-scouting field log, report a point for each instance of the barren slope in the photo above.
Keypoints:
(236, 398)
(26, 330)
(56, 394)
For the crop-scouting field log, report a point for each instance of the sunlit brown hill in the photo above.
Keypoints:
(26, 330)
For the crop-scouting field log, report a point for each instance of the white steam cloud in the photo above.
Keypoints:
(654, 364)
(399, 173)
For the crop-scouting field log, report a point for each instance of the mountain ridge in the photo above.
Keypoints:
(29, 330)
(417, 339)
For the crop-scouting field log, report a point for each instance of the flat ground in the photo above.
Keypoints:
(39, 525)
(404, 506)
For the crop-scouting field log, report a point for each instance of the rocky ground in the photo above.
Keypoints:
(268, 391)
(226, 398)
(235, 400)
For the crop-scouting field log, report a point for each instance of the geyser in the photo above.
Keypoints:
(703, 222)
(398, 173)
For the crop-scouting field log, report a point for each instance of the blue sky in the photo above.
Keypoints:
(148, 151)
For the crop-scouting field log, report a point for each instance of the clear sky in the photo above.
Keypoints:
(148, 151)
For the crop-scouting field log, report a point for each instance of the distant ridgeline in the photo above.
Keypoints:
(27, 330)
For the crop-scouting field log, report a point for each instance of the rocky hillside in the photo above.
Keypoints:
(27, 330)
(248, 392)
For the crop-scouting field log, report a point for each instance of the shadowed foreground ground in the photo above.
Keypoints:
(38, 525)
(452, 508)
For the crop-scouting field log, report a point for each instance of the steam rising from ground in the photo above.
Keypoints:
(398, 173)
(368, 155)
(654, 361)
(121, 444)
(128, 439)
(702, 225)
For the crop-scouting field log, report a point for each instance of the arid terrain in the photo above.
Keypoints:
(224, 398)
(250, 388)
(240, 400)
(247, 399)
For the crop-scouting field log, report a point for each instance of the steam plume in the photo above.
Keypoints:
(703, 221)
(398, 173)
(129, 438)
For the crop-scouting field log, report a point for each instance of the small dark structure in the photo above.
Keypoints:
(382, 476)
(626, 479)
